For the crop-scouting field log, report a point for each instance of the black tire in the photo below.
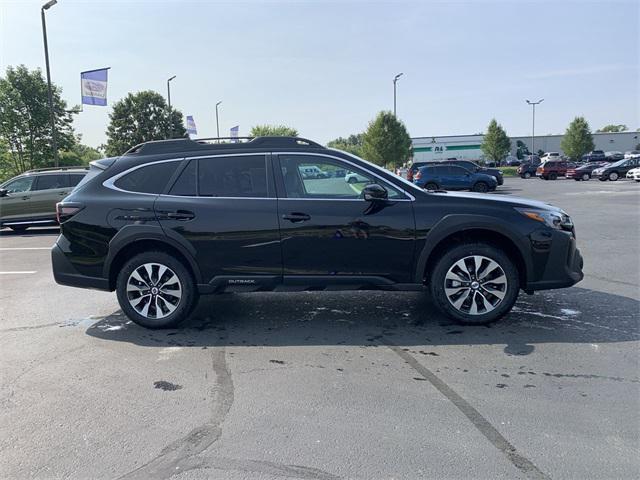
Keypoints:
(459, 252)
(602, 179)
(543, 177)
(185, 304)
(431, 186)
(19, 228)
(586, 177)
(526, 175)
(480, 187)
(613, 176)
(553, 176)
(576, 179)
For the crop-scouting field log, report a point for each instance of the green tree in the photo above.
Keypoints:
(351, 144)
(273, 131)
(522, 150)
(141, 117)
(25, 127)
(79, 154)
(613, 128)
(496, 143)
(386, 141)
(577, 139)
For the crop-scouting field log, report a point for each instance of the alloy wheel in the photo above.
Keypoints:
(154, 290)
(475, 285)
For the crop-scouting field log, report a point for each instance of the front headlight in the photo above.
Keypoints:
(554, 219)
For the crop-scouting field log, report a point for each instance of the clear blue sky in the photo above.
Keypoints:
(326, 68)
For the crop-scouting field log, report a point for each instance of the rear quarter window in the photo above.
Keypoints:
(151, 178)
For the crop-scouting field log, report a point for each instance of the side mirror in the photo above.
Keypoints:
(374, 192)
(4, 192)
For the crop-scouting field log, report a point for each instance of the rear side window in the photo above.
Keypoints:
(148, 179)
(74, 179)
(186, 183)
(459, 171)
(49, 182)
(241, 176)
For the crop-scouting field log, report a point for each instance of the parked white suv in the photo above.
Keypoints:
(550, 156)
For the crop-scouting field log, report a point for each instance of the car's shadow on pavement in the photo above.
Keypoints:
(572, 315)
(31, 232)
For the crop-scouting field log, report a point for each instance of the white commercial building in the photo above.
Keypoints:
(468, 146)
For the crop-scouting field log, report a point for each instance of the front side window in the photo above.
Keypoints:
(235, 176)
(19, 185)
(50, 182)
(148, 179)
(331, 179)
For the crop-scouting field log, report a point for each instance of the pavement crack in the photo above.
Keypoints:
(172, 457)
(482, 424)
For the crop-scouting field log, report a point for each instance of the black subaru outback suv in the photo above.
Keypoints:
(171, 220)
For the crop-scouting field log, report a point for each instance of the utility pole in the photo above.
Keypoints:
(533, 126)
(395, 80)
(217, 121)
(54, 143)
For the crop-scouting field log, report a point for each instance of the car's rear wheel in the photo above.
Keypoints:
(155, 290)
(474, 283)
(526, 175)
(613, 176)
(586, 176)
(480, 187)
(19, 228)
(553, 176)
(431, 186)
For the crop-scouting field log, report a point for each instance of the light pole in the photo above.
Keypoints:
(533, 126)
(395, 80)
(54, 143)
(169, 92)
(217, 122)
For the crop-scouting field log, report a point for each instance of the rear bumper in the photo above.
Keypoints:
(64, 273)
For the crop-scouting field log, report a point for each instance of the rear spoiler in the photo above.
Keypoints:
(103, 163)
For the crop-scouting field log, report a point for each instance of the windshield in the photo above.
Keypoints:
(619, 163)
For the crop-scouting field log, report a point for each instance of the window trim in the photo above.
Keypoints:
(36, 182)
(265, 159)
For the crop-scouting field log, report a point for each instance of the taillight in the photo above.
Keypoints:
(64, 211)
(418, 175)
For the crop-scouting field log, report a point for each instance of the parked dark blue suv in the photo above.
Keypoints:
(171, 220)
(452, 177)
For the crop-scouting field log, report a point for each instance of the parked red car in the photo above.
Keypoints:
(553, 169)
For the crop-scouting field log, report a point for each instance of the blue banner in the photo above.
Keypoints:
(94, 86)
(191, 125)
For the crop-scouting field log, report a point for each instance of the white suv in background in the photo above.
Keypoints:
(550, 156)
(634, 174)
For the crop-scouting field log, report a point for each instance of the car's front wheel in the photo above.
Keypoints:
(586, 176)
(155, 290)
(474, 283)
(480, 187)
(431, 186)
(613, 176)
(526, 175)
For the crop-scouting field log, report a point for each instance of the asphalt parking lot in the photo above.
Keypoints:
(331, 385)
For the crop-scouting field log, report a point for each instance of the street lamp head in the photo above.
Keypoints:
(395, 79)
(49, 4)
(218, 103)
(171, 78)
(541, 100)
(528, 102)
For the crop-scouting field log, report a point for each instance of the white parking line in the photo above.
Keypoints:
(8, 249)
(18, 273)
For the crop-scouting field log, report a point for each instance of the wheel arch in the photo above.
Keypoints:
(123, 247)
(454, 231)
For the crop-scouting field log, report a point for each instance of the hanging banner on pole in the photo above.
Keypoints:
(191, 125)
(94, 86)
(234, 133)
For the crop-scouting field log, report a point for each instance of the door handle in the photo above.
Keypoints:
(181, 215)
(296, 217)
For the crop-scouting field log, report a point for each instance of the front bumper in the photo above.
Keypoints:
(65, 273)
(558, 262)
